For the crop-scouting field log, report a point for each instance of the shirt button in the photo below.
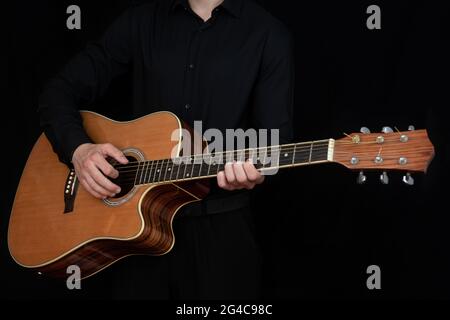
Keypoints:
(187, 106)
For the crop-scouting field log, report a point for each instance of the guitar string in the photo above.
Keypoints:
(164, 174)
(278, 148)
(162, 163)
(307, 145)
(218, 154)
(131, 177)
(149, 165)
(192, 159)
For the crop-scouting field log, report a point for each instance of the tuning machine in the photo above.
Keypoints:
(361, 178)
(364, 130)
(387, 130)
(384, 179)
(408, 179)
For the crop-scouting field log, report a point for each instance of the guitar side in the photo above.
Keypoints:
(96, 233)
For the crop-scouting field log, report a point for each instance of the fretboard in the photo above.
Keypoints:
(208, 165)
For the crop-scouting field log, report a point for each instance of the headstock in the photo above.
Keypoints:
(409, 151)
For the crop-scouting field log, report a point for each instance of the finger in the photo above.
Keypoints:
(96, 187)
(90, 190)
(252, 173)
(229, 174)
(240, 175)
(222, 181)
(100, 183)
(109, 150)
(106, 167)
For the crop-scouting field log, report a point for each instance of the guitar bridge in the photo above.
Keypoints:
(70, 191)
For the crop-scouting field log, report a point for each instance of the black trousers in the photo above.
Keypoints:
(214, 257)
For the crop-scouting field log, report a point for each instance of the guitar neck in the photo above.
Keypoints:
(209, 164)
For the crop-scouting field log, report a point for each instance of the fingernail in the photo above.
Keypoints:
(118, 190)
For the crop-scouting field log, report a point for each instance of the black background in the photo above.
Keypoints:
(318, 229)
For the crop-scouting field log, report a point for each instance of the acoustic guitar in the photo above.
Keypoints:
(55, 223)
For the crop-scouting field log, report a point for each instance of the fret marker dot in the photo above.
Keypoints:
(285, 154)
(169, 169)
(187, 174)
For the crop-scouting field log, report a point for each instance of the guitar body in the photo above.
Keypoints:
(56, 223)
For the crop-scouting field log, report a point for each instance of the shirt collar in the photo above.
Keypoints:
(232, 6)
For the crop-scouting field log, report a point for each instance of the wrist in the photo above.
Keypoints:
(78, 149)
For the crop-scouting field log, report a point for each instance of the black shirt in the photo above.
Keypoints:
(233, 71)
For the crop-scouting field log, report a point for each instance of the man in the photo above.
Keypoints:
(227, 63)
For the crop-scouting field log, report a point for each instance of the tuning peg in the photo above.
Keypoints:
(408, 179)
(411, 128)
(384, 178)
(361, 178)
(387, 130)
(364, 130)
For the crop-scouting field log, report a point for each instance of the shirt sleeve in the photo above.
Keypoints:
(273, 92)
(85, 78)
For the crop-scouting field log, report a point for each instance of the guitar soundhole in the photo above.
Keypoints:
(126, 177)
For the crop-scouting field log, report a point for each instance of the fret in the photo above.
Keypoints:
(263, 160)
(255, 158)
(293, 155)
(204, 168)
(320, 151)
(169, 171)
(310, 152)
(137, 174)
(213, 167)
(240, 156)
(159, 164)
(142, 175)
(201, 167)
(188, 169)
(209, 163)
(192, 163)
(182, 168)
(197, 166)
(274, 157)
(161, 170)
(142, 171)
(164, 170)
(229, 157)
(302, 153)
(175, 170)
(148, 168)
(286, 155)
(153, 171)
(252, 155)
(145, 168)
